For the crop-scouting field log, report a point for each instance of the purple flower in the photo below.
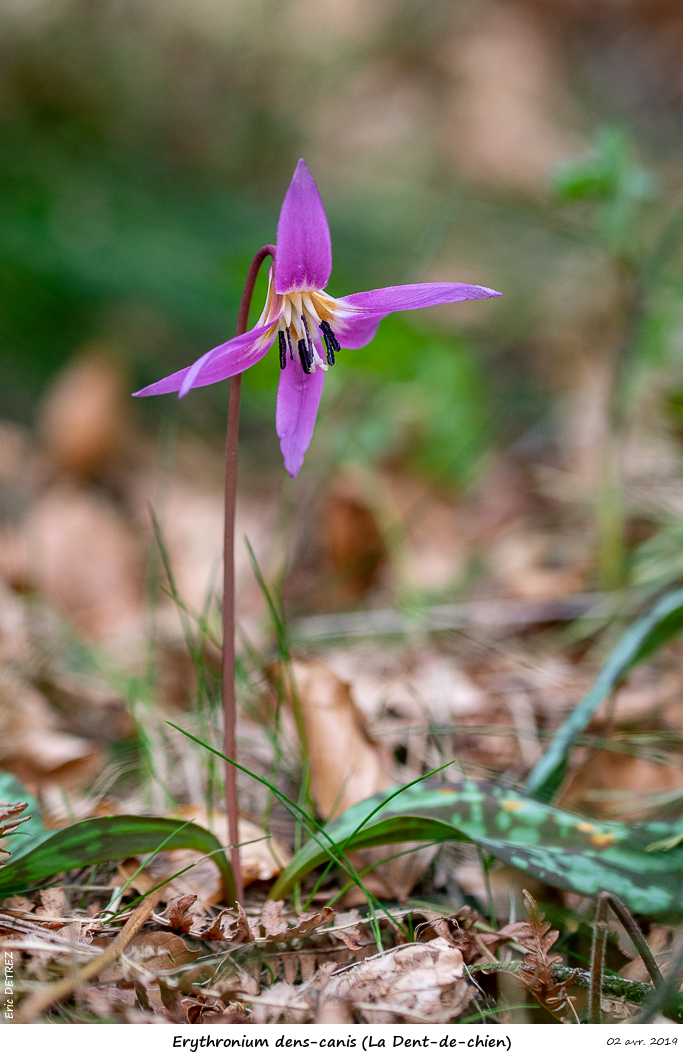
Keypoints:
(309, 326)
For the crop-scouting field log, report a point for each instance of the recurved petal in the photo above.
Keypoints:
(304, 249)
(421, 295)
(298, 398)
(233, 357)
(355, 331)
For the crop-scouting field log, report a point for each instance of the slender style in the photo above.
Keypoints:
(228, 666)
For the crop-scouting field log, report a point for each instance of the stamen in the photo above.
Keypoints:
(289, 342)
(283, 349)
(331, 343)
(303, 355)
(308, 338)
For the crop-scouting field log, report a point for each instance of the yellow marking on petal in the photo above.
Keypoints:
(603, 839)
(512, 805)
(584, 826)
(296, 302)
(288, 312)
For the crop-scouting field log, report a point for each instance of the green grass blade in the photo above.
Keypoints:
(641, 640)
(309, 824)
(104, 839)
(562, 849)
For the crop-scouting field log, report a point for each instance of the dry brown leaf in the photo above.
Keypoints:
(53, 902)
(85, 415)
(215, 930)
(352, 938)
(276, 927)
(83, 558)
(662, 941)
(179, 916)
(310, 921)
(537, 973)
(346, 767)
(353, 541)
(156, 951)
(203, 1011)
(345, 763)
(144, 880)
(31, 744)
(273, 922)
(10, 819)
(18, 903)
(173, 1005)
(610, 783)
(91, 710)
(459, 931)
(416, 982)
(240, 932)
(106, 1000)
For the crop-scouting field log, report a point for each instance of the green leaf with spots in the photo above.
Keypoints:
(106, 839)
(645, 636)
(562, 849)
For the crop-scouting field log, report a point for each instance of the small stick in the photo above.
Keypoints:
(39, 1002)
(228, 663)
(598, 959)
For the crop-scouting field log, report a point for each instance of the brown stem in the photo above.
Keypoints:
(638, 938)
(228, 666)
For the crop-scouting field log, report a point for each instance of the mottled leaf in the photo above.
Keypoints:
(563, 849)
(106, 839)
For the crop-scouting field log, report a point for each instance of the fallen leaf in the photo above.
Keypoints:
(345, 763)
(352, 540)
(179, 916)
(155, 952)
(85, 415)
(53, 903)
(460, 932)
(32, 747)
(611, 784)
(416, 982)
(239, 930)
(273, 922)
(85, 560)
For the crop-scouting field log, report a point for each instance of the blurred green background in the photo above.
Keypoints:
(145, 146)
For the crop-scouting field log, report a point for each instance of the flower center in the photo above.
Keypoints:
(306, 321)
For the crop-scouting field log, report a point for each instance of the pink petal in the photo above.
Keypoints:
(422, 295)
(357, 330)
(298, 398)
(226, 360)
(304, 249)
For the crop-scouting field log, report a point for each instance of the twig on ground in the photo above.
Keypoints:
(34, 1006)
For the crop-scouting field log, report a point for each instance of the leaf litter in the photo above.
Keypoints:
(82, 713)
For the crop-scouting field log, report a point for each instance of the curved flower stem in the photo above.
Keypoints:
(228, 665)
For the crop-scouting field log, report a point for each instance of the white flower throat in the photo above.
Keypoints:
(303, 314)
(303, 326)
